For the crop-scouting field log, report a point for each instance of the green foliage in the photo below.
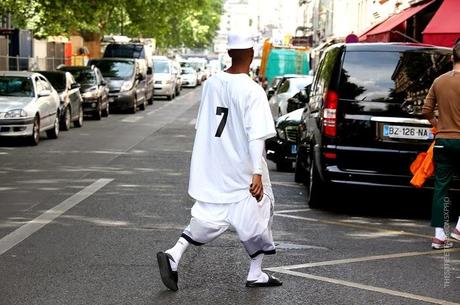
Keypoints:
(173, 23)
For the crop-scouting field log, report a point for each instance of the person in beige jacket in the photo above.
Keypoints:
(445, 95)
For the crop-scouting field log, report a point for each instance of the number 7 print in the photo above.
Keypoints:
(220, 111)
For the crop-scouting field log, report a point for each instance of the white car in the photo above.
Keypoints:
(189, 77)
(28, 106)
(165, 78)
(287, 89)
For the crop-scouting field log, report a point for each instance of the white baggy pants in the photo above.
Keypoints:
(252, 221)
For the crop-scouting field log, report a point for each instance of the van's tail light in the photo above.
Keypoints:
(330, 113)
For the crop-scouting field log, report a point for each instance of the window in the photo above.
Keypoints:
(284, 87)
(390, 76)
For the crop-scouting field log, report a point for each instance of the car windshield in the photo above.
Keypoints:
(115, 69)
(16, 86)
(56, 79)
(124, 51)
(398, 76)
(300, 83)
(84, 77)
(161, 66)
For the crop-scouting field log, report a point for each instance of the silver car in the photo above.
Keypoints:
(28, 105)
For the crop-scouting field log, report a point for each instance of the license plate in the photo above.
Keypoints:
(407, 132)
(293, 149)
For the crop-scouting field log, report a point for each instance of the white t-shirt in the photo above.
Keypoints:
(233, 111)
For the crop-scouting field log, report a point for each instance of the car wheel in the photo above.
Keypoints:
(98, 113)
(53, 133)
(79, 121)
(34, 139)
(106, 111)
(299, 171)
(67, 119)
(315, 194)
(284, 166)
(133, 109)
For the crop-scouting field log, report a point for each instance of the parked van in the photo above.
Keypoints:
(140, 52)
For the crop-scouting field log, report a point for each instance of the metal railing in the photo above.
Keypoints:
(18, 63)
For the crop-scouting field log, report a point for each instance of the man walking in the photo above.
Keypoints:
(445, 94)
(228, 174)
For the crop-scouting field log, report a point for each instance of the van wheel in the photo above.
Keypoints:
(315, 188)
(144, 104)
(133, 109)
(34, 139)
(53, 133)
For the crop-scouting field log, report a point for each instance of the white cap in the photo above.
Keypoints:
(240, 41)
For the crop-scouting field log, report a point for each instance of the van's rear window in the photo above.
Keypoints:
(396, 76)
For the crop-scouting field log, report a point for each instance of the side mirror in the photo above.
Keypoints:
(149, 70)
(75, 86)
(103, 83)
(44, 93)
(140, 76)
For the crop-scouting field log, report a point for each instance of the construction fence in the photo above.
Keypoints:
(18, 63)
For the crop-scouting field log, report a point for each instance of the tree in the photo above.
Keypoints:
(173, 23)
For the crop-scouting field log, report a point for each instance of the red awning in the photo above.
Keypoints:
(444, 27)
(381, 33)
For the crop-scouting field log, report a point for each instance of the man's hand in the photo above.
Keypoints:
(256, 188)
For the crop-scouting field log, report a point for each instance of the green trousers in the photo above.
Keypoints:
(447, 163)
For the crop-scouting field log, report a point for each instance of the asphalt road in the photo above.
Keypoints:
(82, 217)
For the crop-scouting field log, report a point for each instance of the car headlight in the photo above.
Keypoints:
(92, 94)
(16, 113)
(281, 133)
(126, 86)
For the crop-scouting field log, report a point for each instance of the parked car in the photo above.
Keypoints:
(93, 89)
(70, 109)
(142, 53)
(28, 105)
(288, 87)
(124, 79)
(189, 77)
(363, 123)
(299, 100)
(165, 78)
(177, 72)
(282, 149)
(196, 67)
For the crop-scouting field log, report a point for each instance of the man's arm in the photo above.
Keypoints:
(429, 106)
(256, 149)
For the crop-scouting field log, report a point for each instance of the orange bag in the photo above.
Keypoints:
(423, 167)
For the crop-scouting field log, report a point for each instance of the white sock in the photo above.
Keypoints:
(177, 251)
(440, 234)
(255, 270)
(458, 224)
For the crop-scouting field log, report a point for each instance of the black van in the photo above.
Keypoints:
(140, 52)
(363, 123)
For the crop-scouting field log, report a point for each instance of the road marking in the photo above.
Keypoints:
(132, 119)
(20, 234)
(356, 226)
(363, 259)
(367, 287)
(292, 211)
